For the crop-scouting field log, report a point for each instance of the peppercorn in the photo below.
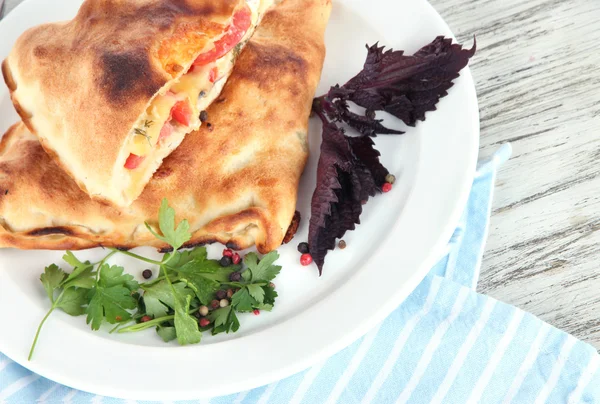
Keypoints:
(227, 252)
(221, 294)
(203, 116)
(306, 259)
(390, 178)
(303, 248)
(224, 303)
(387, 187)
(214, 304)
(202, 94)
(226, 261)
(145, 319)
(204, 322)
(236, 259)
(229, 293)
(235, 277)
(256, 312)
(198, 315)
(342, 244)
(147, 274)
(203, 310)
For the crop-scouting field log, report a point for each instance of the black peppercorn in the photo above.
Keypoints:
(303, 248)
(226, 261)
(203, 116)
(235, 277)
(221, 294)
(147, 274)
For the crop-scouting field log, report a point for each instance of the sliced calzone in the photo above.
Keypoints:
(113, 92)
(235, 180)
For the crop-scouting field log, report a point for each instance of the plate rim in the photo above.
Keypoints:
(325, 349)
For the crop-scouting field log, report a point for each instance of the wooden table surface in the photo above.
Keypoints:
(538, 81)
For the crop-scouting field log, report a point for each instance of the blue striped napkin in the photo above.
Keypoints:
(445, 343)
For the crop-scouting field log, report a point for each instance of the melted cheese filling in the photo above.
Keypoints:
(195, 88)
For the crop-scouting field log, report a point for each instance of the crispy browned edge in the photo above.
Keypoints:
(73, 238)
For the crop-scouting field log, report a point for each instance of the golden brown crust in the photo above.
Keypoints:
(236, 182)
(81, 85)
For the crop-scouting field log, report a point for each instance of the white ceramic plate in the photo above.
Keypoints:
(402, 234)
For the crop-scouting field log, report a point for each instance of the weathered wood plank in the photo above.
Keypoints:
(539, 88)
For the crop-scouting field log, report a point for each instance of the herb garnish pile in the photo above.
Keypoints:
(349, 170)
(188, 284)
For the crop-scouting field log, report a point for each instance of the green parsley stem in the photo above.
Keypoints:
(146, 325)
(39, 329)
(139, 257)
(153, 282)
(101, 263)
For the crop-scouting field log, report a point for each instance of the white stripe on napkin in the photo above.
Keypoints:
(69, 397)
(18, 385)
(264, 399)
(433, 345)
(497, 356)
(4, 363)
(404, 335)
(48, 392)
(556, 369)
(464, 351)
(527, 363)
(352, 367)
(584, 380)
(308, 380)
(241, 397)
(97, 400)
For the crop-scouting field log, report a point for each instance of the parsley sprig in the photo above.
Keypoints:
(170, 304)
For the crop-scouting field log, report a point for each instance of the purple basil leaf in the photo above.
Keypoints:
(406, 86)
(365, 152)
(368, 126)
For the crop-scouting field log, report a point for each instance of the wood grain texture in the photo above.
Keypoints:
(537, 73)
(538, 81)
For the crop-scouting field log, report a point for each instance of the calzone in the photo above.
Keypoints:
(235, 180)
(113, 92)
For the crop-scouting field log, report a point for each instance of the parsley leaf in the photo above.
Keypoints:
(181, 258)
(111, 297)
(186, 326)
(73, 301)
(51, 279)
(109, 303)
(113, 276)
(270, 295)
(166, 333)
(79, 268)
(257, 292)
(176, 237)
(159, 297)
(195, 272)
(225, 320)
(242, 301)
(263, 270)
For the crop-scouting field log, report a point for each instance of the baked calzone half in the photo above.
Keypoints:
(235, 180)
(113, 92)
